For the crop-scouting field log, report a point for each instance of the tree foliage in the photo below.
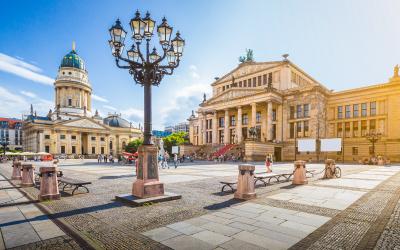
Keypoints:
(133, 146)
(175, 139)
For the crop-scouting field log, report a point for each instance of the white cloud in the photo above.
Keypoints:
(28, 94)
(99, 98)
(193, 72)
(110, 107)
(14, 105)
(20, 68)
(133, 114)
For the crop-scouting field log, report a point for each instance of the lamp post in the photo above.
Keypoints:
(4, 143)
(147, 69)
(373, 137)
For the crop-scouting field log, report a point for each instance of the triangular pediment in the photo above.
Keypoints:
(246, 69)
(82, 123)
(234, 93)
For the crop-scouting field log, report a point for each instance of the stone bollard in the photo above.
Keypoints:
(28, 176)
(245, 186)
(16, 174)
(299, 175)
(329, 169)
(381, 161)
(48, 184)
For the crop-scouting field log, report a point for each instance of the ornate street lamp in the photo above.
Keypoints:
(4, 143)
(373, 137)
(147, 69)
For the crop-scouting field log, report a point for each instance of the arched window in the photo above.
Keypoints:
(123, 145)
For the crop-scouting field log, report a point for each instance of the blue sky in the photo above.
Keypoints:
(343, 44)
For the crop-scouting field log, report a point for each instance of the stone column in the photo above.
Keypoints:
(215, 128)
(204, 132)
(279, 135)
(253, 114)
(239, 126)
(359, 128)
(200, 132)
(269, 121)
(41, 142)
(226, 128)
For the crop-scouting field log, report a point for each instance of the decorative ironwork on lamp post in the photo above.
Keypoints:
(373, 137)
(146, 67)
(4, 143)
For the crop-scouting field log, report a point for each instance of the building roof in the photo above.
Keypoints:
(73, 60)
(116, 121)
(11, 122)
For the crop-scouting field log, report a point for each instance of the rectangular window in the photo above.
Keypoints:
(347, 129)
(62, 137)
(233, 120)
(306, 133)
(93, 138)
(245, 83)
(258, 117)
(249, 82)
(259, 81)
(355, 129)
(221, 122)
(245, 119)
(292, 112)
(273, 131)
(363, 127)
(355, 151)
(73, 137)
(347, 110)
(240, 83)
(355, 110)
(299, 113)
(264, 79)
(270, 78)
(69, 102)
(62, 149)
(102, 139)
(223, 88)
(221, 136)
(292, 130)
(298, 129)
(340, 112)
(372, 125)
(254, 81)
(363, 109)
(372, 108)
(47, 149)
(102, 150)
(306, 108)
(339, 130)
(93, 150)
(73, 150)
(274, 114)
(46, 137)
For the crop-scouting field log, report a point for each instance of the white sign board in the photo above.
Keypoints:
(331, 145)
(175, 149)
(306, 145)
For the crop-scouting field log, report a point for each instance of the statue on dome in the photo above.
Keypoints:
(396, 71)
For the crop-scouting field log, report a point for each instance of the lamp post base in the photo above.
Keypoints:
(147, 182)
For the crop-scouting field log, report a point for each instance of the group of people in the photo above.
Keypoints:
(163, 160)
(105, 158)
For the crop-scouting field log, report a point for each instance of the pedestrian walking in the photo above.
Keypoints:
(166, 158)
(175, 160)
(268, 163)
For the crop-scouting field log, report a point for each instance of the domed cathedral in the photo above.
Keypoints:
(73, 128)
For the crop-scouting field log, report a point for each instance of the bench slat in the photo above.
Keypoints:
(73, 181)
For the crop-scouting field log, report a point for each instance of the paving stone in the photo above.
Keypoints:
(310, 221)
(162, 233)
(267, 218)
(243, 226)
(184, 242)
(245, 220)
(177, 225)
(216, 219)
(236, 244)
(281, 229)
(197, 221)
(211, 237)
(224, 215)
(19, 237)
(49, 233)
(280, 237)
(221, 229)
(189, 230)
(298, 226)
(259, 240)
(240, 213)
(2, 246)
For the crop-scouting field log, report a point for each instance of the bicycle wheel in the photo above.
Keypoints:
(338, 172)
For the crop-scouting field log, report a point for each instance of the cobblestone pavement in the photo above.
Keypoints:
(104, 223)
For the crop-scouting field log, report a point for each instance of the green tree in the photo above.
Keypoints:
(133, 146)
(175, 139)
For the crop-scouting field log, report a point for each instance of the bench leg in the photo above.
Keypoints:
(233, 190)
(223, 188)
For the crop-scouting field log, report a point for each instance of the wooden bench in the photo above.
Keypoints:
(73, 183)
(264, 176)
(228, 184)
(37, 175)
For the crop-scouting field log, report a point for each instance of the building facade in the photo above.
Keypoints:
(180, 127)
(266, 107)
(11, 132)
(72, 128)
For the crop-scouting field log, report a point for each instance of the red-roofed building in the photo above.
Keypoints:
(11, 132)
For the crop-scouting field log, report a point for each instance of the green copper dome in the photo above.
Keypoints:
(73, 60)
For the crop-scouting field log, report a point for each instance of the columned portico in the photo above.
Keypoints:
(215, 128)
(253, 114)
(204, 133)
(226, 127)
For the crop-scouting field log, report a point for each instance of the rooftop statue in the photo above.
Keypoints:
(396, 71)
(248, 58)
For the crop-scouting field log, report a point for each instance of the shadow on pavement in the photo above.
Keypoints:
(224, 204)
(112, 177)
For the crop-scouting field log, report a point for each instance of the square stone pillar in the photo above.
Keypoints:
(245, 187)
(226, 127)
(204, 132)
(239, 136)
(16, 174)
(147, 182)
(299, 175)
(269, 121)
(28, 176)
(48, 184)
(200, 132)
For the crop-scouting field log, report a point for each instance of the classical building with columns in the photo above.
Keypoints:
(73, 128)
(265, 107)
